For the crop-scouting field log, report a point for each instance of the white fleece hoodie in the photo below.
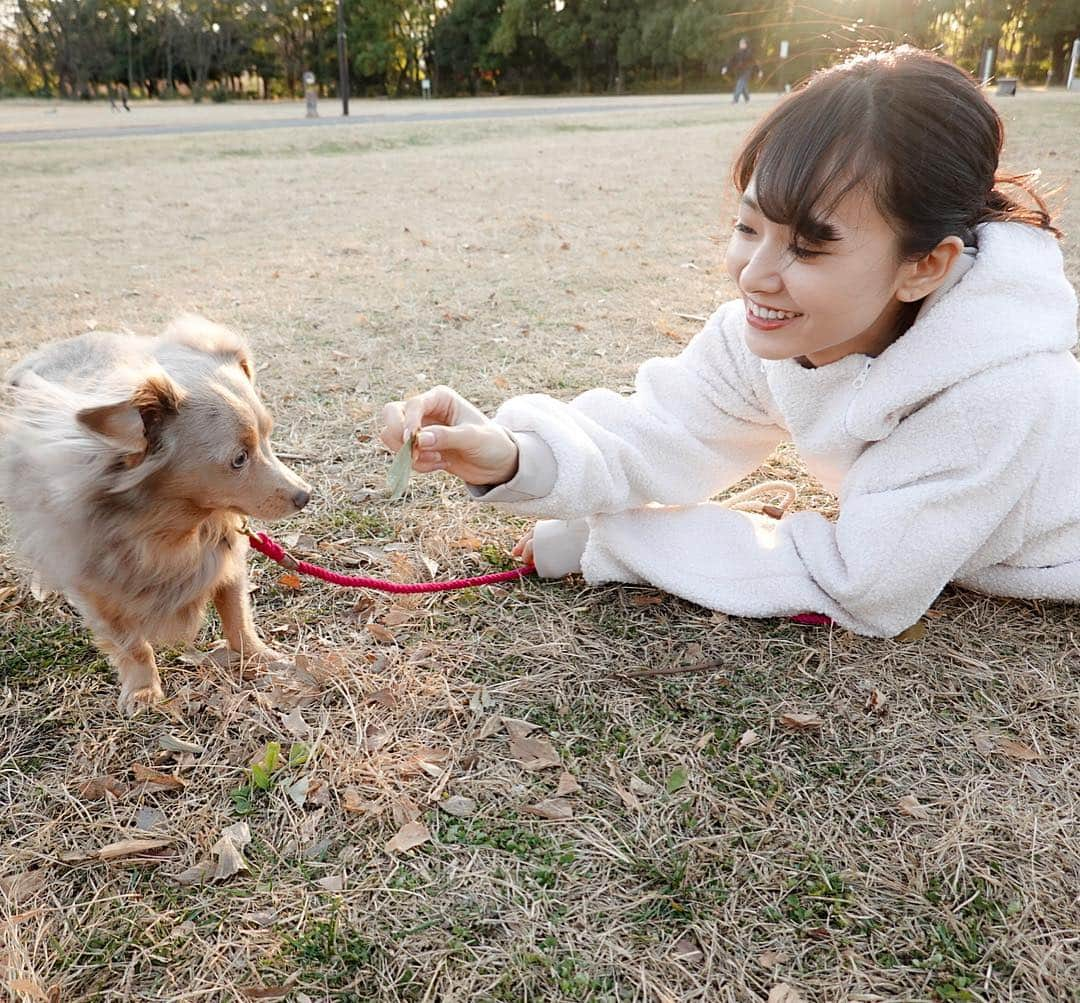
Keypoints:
(955, 455)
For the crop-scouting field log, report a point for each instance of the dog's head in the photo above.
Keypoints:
(196, 431)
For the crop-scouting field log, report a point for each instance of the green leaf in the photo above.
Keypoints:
(677, 780)
(397, 480)
(260, 776)
(272, 756)
(298, 753)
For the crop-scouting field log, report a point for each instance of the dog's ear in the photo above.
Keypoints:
(214, 339)
(135, 425)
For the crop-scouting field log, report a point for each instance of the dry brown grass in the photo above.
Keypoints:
(504, 257)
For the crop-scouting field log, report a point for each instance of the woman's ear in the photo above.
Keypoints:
(920, 278)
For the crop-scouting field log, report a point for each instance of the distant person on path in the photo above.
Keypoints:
(902, 316)
(742, 65)
(122, 93)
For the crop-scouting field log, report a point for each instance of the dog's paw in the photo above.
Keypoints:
(259, 656)
(133, 699)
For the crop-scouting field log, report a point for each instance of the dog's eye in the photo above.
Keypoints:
(239, 461)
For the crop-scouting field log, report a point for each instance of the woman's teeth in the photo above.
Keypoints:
(764, 314)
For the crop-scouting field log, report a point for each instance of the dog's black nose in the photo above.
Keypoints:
(301, 498)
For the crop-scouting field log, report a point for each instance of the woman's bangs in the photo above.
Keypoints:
(802, 161)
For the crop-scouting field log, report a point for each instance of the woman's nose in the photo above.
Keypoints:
(761, 273)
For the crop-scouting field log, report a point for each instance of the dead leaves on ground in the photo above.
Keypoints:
(989, 745)
(410, 835)
(228, 851)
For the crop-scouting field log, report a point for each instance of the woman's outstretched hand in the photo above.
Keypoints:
(448, 433)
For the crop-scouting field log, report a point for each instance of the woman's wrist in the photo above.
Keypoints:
(508, 469)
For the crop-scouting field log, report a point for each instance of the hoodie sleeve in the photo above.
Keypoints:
(694, 425)
(916, 508)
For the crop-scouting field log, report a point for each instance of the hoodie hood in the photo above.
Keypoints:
(1010, 301)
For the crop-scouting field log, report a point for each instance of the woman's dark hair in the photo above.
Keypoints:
(913, 127)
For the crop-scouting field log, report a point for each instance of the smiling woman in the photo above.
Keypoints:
(891, 300)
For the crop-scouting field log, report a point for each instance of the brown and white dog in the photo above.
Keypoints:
(127, 464)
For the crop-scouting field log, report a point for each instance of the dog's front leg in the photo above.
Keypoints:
(131, 655)
(140, 684)
(237, 624)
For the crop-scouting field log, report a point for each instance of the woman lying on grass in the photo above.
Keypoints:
(902, 320)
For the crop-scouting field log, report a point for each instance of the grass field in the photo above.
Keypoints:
(700, 848)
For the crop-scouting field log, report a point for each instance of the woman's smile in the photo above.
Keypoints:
(768, 318)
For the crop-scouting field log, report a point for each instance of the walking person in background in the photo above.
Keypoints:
(742, 65)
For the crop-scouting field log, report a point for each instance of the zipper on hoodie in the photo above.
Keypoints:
(863, 376)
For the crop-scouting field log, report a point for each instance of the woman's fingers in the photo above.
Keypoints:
(392, 434)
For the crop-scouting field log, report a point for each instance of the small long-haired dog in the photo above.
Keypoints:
(127, 464)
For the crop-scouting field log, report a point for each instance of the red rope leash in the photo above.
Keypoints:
(269, 547)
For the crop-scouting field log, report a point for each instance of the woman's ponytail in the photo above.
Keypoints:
(1002, 208)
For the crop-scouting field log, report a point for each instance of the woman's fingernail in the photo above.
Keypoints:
(426, 438)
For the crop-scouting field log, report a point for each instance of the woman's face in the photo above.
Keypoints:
(822, 300)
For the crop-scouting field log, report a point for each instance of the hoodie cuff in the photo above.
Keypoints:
(535, 475)
(558, 546)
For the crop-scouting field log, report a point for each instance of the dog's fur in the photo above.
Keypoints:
(120, 464)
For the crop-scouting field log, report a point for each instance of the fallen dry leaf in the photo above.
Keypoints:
(985, 744)
(380, 633)
(567, 785)
(28, 988)
(97, 788)
(332, 883)
(21, 887)
(686, 949)
(653, 599)
(265, 992)
(228, 850)
(627, 797)
(405, 810)
(351, 801)
(748, 738)
(411, 834)
(131, 848)
(396, 616)
(458, 806)
(1015, 750)
(375, 737)
(639, 787)
(173, 744)
(784, 993)
(492, 725)
(384, 698)
(801, 722)
(876, 702)
(149, 776)
(770, 959)
(516, 728)
(295, 723)
(299, 791)
(534, 753)
(290, 580)
(552, 809)
(909, 805)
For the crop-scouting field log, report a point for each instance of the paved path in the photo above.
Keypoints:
(523, 111)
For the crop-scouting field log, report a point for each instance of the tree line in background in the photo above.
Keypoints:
(261, 48)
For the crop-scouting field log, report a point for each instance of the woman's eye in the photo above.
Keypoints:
(803, 253)
(742, 227)
(239, 461)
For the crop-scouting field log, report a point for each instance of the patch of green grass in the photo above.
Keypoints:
(326, 952)
(32, 650)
